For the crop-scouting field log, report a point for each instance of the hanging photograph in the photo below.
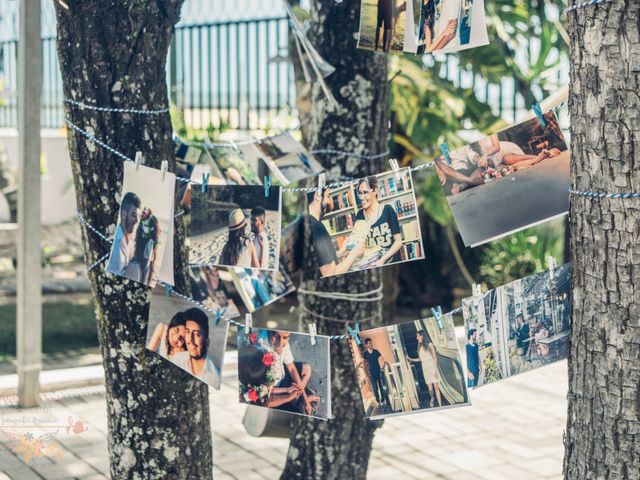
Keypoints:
(409, 368)
(258, 288)
(187, 336)
(146, 210)
(514, 179)
(209, 287)
(387, 26)
(448, 26)
(232, 167)
(518, 327)
(235, 226)
(284, 371)
(285, 157)
(365, 224)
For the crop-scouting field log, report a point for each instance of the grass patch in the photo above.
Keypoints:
(66, 325)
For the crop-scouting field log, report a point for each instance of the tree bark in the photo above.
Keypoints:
(340, 448)
(603, 425)
(113, 54)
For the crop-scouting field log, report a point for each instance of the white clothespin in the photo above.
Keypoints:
(234, 146)
(313, 332)
(139, 159)
(248, 323)
(395, 167)
(322, 181)
(164, 166)
(476, 289)
(551, 263)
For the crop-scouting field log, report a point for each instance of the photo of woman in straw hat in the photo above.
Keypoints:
(235, 226)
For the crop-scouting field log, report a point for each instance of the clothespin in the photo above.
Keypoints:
(444, 148)
(205, 182)
(437, 314)
(476, 289)
(551, 263)
(537, 109)
(233, 145)
(395, 167)
(354, 333)
(322, 180)
(138, 160)
(267, 186)
(248, 323)
(313, 331)
(164, 167)
(167, 289)
(219, 315)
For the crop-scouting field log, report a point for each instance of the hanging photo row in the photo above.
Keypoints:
(422, 26)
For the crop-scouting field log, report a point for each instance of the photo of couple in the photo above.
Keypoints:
(208, 287)
(286, 158)
(258, 288)
(365, 224)
(284, 371)
(409, 368)
(422, 26)
(235, 226)
(145, 222)
(525, 167)
(518, 327)
(187, 336)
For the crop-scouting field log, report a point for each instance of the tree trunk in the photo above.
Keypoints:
(603, 425)
(113, 54)
(340, 448)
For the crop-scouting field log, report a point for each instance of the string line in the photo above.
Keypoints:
(580, 5)
(86, 106)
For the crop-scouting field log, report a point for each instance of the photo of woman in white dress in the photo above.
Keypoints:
(427, 358)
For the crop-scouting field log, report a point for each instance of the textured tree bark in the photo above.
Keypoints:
(340, 448)
(113, 54)
(603, 425)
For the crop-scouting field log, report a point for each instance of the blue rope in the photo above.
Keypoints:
(583, 5)
(115, 110)
(604, 195)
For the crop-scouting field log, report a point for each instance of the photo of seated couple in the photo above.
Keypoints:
(143, 224)
(366, 224)
(525, 161)
(284, 371)
(187, 336)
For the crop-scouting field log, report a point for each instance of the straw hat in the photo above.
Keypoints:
(237, 220)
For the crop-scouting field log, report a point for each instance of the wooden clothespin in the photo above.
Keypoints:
(537, 109)
(313, 332)
(248, 323)
(163, 168)
(437, 314)
(551, 263)
(476, 289)
(267, 186)
(138, 160)
(167, 289)
(355, 333)
(205, 182)
(444, 148)
(395, 167)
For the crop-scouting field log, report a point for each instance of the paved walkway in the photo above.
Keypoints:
(512, 431)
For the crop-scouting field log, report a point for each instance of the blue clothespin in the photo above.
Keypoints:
(267, 186)
(219, 315)
(167, 289)
(537, 109)
(205, 182)
(444, 148)
(354, 332)
(437, 314)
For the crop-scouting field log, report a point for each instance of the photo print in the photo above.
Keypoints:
(187, 336)
(231, 167)
(284, 371)
(387, 25)
(235, 226)
(209, 287)
(448, 26)
(258, 288)
(365, 224)
(518, 327)
(508, 181)
(285, 157)
(144, 220)
(411, 367)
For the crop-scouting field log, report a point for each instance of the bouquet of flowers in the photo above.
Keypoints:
(492, 174)
(259, 393)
